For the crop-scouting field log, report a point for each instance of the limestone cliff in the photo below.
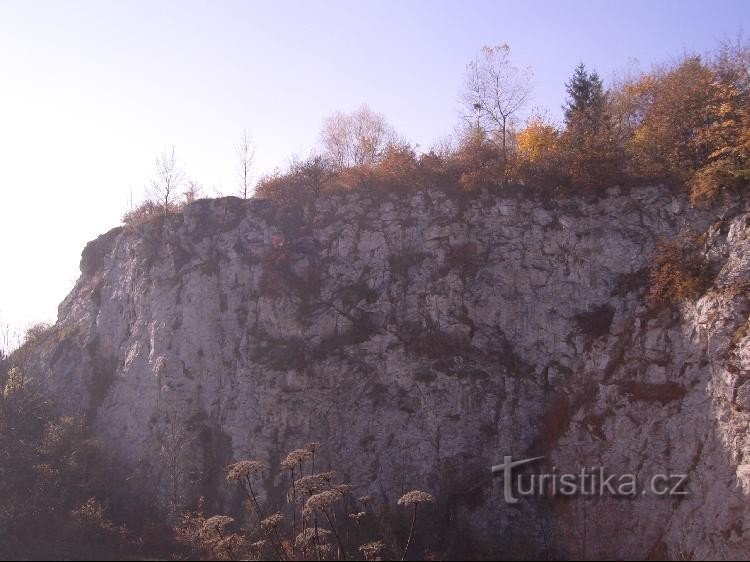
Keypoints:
(421, 338)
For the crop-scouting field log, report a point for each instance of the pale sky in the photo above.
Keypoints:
(91, 92)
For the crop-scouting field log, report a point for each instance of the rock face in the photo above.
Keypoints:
(421, 338)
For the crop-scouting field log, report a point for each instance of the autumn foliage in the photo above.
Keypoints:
(679, 271)
(685, 124)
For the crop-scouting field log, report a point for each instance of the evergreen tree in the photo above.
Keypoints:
(586, 99)
(590, 144)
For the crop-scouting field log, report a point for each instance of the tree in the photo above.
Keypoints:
(494, 91)
(398, 168)
(176, 441)
(356, 139)
(727, 133)
(586, 99)
(193, 191)
(169, 178)
(300, 185)
(591, 147)
(671, 107)
(479, 161)
(6, 345)
(538, 152)
(246, 156)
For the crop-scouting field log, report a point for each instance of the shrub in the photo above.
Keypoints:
(538, 158)
(145, 212)
(348, 179)
(710, 180)
(36, 332)
(397, 169)
(480, 162)
(301, 184)
(54, 476)
(679, 271)
(438, 170)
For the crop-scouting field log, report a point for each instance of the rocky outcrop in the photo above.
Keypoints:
(421, 338)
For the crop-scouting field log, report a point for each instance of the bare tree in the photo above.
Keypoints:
(356, 139)
(494, 91)
(175, 443)
(168, 180)
(246, 155)
(193, 191)
(336, 139)
(8, 341)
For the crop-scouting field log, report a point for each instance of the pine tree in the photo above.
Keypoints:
(589, 141)
(586, 98)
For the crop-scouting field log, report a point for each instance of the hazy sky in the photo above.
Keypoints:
(91, 92)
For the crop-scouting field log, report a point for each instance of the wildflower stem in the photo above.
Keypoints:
(252, 497)
(335, 534)
(411, 532)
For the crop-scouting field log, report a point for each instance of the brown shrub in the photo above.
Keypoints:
(301, 184)
(36, 332)
(480, 162)
(356, 177)
(145, 212)
(711, 180)
(679, 271)
(397, 169)
(437, 171)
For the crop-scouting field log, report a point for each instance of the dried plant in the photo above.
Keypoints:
(243, 469)
(414, 499)
(372, 550)
(316, 524)
(296, 458)
(357, 517)
(214, 538)
(243, 472)
(313, 483)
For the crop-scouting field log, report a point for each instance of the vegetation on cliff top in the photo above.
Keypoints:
(685, 124)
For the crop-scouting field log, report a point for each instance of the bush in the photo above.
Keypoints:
(348, 179)
(438, 170)
(679, 272)
(36, 332)
(537, 161)
(397, 169)
(709, 181)
(145, 212)
(301, 184)
(50, 468)
(480, 162)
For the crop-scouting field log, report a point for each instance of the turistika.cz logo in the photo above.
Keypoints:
(590, 481)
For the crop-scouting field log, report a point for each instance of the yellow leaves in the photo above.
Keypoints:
(537, 140)
(671, 107)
